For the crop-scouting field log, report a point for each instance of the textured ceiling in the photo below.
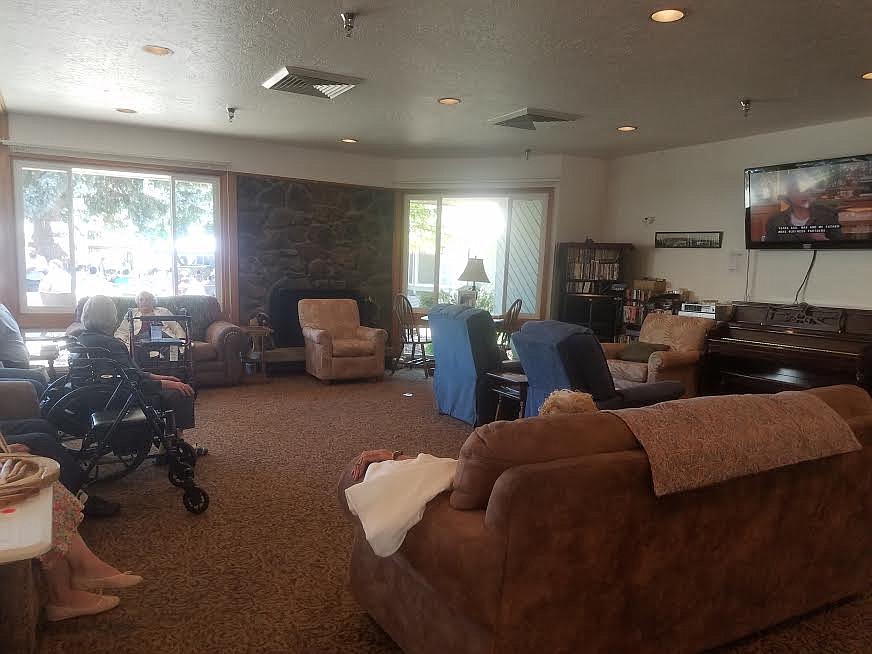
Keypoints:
(799, 60)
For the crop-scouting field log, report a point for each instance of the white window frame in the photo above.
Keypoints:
(68, 168)
(510, 197)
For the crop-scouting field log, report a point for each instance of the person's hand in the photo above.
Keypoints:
(18, 448)
(367, 457)
(181, 387)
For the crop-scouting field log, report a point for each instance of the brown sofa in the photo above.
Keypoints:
(553, 541)
(217, 345)
(685, 337)
(337, 347)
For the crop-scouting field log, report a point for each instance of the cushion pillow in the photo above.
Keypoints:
(640, 351)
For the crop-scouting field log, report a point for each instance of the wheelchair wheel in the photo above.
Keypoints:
(114, 465)
(195, 499)
(180, 474)
(186, 453)
(70, 411)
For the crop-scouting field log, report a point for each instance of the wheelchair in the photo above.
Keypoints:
(113, 428)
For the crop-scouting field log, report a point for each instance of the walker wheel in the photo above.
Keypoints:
(195, 499)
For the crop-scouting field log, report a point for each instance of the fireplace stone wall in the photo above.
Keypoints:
(313, 235)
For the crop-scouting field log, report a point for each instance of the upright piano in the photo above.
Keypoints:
(766, 348)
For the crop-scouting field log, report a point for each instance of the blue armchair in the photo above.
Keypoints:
(465, 350)
(558, 355)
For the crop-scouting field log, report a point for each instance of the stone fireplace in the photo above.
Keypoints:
(313, 239)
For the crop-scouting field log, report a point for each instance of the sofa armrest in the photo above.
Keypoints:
(372, 334)
(18, 400)
(319, 336)
(637, 395)
(221, 334)
(611, 350)
(669, 359)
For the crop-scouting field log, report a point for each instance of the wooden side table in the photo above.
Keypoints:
(511, 385)
(255, 357)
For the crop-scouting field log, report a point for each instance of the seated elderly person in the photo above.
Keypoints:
(145, 306)
(164, 392)
(14, 357)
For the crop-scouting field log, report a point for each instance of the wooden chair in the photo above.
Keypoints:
(412, 338)
(508, 326)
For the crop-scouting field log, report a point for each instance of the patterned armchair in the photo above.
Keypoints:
(685, 337)
(217, 345)
(337, 347)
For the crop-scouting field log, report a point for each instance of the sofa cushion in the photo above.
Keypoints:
(494, 448)
(629, 370)
(202, 351)
(640, 351)
(353, 347)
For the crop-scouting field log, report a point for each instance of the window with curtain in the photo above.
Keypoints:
(505, 231)
(86, 231)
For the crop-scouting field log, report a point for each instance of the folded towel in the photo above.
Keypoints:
(393, 495)
(706, 440)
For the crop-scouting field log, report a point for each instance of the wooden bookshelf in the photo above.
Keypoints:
(591, 280)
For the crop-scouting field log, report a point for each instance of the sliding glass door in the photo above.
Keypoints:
(506, 231)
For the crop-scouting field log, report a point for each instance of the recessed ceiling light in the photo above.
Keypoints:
(125, 110)
(866, 75)
(667, 15)
(158, 50)
(347, 140)
(627, 128)
(449, 101)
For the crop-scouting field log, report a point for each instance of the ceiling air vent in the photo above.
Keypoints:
(310, 82)
(527, 118)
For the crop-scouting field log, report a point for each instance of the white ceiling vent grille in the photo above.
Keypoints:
(310, 82)
(527, 118)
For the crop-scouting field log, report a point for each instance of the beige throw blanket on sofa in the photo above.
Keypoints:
(706, 440)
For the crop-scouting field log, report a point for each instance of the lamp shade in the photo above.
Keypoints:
(474, 271)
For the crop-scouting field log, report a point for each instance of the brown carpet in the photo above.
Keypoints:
(264, 569)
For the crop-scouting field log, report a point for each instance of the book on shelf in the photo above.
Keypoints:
(593, 264)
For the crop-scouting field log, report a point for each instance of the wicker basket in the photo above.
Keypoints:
(24, 475)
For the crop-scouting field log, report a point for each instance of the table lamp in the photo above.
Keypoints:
(474, 272)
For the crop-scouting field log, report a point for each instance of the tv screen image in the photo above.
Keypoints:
(815, 204)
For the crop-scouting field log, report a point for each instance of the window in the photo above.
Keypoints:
(506, 231)
(84, 231)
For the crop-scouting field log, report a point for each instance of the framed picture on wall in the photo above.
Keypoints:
(688, 239)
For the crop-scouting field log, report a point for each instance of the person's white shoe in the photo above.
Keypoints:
(114, 582)
(55, 612)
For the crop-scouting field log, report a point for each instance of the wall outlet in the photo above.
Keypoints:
(735, 257)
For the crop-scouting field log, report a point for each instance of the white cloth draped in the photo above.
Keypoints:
(393, 495)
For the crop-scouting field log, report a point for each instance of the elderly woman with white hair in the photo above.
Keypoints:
(146, 306)
(99, 317)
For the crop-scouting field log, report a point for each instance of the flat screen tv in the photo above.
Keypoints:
(824, 204)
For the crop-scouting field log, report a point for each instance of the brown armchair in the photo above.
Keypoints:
(685, 337)
(337, 346)
(217, 345)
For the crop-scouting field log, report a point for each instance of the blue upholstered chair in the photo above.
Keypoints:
(465, 350)
(557, 355)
